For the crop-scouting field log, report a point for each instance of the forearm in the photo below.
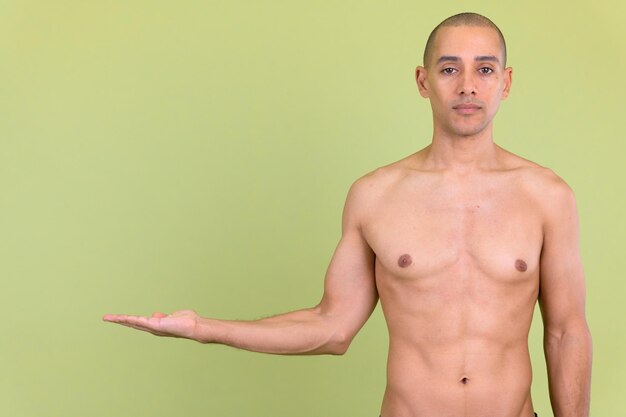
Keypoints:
(302, 332)
(568, 357)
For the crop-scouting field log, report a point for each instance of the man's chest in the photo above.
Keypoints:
(430, 231)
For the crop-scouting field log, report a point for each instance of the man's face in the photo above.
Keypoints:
(465, 80)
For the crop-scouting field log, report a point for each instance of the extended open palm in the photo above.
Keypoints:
(178, 324)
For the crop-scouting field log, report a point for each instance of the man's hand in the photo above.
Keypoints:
(181, 323)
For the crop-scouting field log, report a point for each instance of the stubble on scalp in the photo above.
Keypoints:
(462, 19)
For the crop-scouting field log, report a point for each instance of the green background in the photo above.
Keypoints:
(160, 155)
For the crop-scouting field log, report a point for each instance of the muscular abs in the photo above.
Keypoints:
(457, 272)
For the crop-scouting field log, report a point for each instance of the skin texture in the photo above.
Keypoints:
(458, 241)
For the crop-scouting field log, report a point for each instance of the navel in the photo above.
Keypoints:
(464, 380)
(520, 265)
(405, 260)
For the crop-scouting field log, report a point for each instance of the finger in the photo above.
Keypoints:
(109, 317)
(147, 324)
(116, 318)
(140, 321)
(125, 319)
(143, 329)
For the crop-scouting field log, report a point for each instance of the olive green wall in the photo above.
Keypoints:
(160, 155)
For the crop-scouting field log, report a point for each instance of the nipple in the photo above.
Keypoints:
(520, 265)
(404, 260)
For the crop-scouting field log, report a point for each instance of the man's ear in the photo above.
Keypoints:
(508, 79)
(422, 82)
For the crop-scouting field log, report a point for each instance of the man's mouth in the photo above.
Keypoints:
(467, 108)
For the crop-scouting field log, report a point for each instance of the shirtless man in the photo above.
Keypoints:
(458, 240)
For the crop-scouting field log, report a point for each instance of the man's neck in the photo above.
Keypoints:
(461, 154)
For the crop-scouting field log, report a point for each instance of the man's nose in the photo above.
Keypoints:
(467, 84)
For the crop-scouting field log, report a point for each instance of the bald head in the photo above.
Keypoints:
(462, 19)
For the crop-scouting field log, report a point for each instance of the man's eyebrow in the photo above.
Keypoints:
(486, 58)
(452, 58)
(444, 58)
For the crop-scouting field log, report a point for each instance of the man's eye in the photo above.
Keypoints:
(448, 71)
(486, 70)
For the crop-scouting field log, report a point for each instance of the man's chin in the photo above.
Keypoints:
(468, 132)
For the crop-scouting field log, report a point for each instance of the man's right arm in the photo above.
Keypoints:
(328, 328)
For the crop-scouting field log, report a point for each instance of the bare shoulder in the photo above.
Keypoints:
(376, 183)
(366, 191)
(541, 184)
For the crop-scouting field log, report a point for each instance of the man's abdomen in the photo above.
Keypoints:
(470, 380)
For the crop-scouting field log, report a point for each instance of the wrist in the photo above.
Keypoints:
(204, 331)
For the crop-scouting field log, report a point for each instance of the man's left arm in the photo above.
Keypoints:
(567, 340)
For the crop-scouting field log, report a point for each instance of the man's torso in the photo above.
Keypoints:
(457, 272)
